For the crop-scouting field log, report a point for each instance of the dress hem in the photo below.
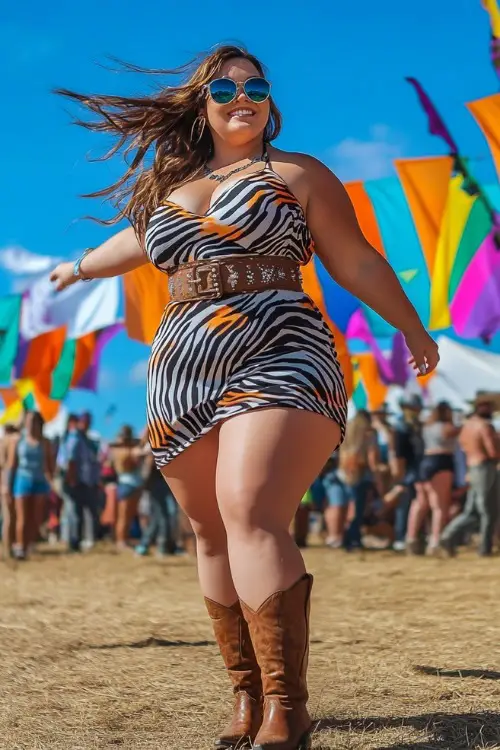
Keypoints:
(160, 464)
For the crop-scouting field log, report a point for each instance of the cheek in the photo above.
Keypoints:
(215, 117)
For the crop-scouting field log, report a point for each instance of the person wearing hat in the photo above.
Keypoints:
(481, 445)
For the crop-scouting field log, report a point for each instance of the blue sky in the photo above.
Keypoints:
(337, 70)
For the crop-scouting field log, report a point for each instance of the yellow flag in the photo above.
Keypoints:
(14, 411)
(458, 208)
(491, 6)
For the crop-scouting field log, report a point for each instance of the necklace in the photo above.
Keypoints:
(223, 177)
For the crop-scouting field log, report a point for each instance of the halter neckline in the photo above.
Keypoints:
(210, 173)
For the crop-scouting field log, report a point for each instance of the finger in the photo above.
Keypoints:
(53, 276)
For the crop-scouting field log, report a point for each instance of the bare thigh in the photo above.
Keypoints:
(439, 489)
(191, 478)
(268, 458)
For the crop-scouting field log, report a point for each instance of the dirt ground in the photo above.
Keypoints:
(106, 651)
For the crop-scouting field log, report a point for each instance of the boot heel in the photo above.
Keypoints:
(305, 742)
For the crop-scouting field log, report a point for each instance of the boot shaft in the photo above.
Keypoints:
(235, 645)
(280, 633)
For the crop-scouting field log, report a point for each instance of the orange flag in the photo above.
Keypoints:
(486, 112)
(43, 355)
(146, 294)
(365, 214)
(426, 184)
(376, 390)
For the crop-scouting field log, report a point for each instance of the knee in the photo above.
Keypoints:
(246, 510)
(211, 539)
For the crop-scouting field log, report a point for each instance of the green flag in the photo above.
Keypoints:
(10, 312)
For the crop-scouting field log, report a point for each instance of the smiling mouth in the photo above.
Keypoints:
(241, 112)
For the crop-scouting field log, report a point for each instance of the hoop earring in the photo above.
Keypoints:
(198, 126)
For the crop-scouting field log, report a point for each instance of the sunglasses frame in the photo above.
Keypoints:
(240, 86)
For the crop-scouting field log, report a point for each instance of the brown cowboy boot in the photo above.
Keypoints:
(233, 639)
(280, 635)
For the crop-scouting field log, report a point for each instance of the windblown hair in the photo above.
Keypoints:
(359, 429)
(157, 134)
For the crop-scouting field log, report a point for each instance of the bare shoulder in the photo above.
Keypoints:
(303, 164)
(305, 175)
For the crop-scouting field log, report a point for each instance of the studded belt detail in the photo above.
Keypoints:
(234, 274)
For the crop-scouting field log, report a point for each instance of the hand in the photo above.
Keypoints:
(63, 276)
(424, 351)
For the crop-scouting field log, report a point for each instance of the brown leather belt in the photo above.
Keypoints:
(234, 274)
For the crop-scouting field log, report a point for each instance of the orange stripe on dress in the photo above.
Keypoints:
(234, 397)
(226, 317)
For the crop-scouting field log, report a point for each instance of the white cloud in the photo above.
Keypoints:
(21, 262)
(138, 373)
(107, 378)
(371, 159)
(25, 267)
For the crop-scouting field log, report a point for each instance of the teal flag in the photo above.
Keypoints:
(402, 248)
(10, 313)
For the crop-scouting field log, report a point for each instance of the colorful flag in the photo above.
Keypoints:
(491, 6)
(426, 184)
(10, 309)
(146, 295)
(81, 308)
(486, 112)
(475, 307)
(436, 123)
(402, 248)
(458, 208)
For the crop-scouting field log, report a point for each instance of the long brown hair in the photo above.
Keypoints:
(160, 127)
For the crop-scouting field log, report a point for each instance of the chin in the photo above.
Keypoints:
(241, 132)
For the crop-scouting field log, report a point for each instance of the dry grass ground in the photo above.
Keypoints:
(108, 651)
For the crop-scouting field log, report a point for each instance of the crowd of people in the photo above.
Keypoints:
(78, 490)
(419, 482)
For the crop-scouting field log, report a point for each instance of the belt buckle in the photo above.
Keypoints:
(207, 281)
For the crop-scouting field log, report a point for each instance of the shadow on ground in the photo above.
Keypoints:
(482, 674)
(444, 731)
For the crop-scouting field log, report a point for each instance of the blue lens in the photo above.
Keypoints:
(222, 90)
(257, 89)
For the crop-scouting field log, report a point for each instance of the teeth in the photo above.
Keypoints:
(241, 112)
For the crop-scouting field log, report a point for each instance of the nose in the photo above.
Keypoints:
(241, 96)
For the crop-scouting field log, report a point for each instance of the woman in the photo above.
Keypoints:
(358, 466)
(434, 490)
(246, 399)
(30, 460)
(127, 457)
(10, 435)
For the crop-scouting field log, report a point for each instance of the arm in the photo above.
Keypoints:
(373, 454)
(373, 459)
(357, 266)
(118, 255)
(451, 430)
(490, 441)
(398, 460)
(72, 468)
(48, 461)
(11, 462)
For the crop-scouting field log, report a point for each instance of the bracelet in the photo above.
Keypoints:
(76, 267)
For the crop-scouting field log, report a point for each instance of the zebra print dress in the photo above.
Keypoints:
(212, 359)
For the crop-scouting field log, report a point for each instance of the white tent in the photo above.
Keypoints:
(462, 372)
